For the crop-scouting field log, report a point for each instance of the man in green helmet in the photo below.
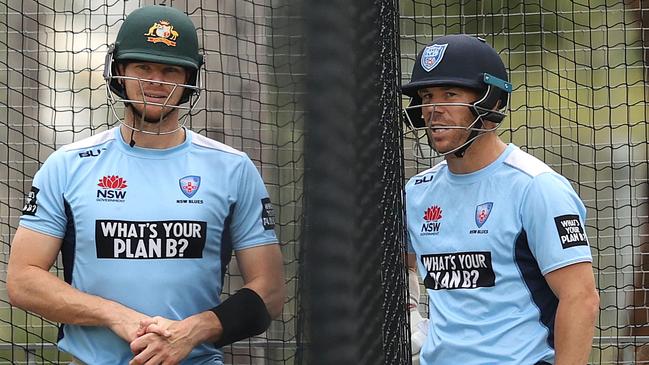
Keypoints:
(146, 217)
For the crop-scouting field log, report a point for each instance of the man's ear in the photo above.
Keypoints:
(120, 68)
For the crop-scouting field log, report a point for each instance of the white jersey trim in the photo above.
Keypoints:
(91, 141)
(203, 141)
(435, 168)
(526, 163)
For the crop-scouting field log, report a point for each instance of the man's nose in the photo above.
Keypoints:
(154, 80)
(427, 109)
(431, 113)
(155, 77)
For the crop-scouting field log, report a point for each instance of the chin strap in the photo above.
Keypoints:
(483, 108)
(132, 142)
(470, 139)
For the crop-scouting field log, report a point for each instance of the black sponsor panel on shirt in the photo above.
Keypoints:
(31, 205)
(571, 232)
(458, 270)
(267, 214)
(150, 240)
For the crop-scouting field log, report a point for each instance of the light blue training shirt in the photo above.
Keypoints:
(484, 242)
(151, 229)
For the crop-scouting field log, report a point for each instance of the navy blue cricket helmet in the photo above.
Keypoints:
(465, 61)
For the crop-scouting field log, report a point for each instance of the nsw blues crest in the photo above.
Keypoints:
(189, 185)
(432, 56)
(482, 213)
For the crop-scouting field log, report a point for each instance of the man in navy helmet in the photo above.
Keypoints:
(497, 236)
(146, 216)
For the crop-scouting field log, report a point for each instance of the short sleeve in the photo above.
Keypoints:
(253, 219)
(554, 218)
(44, 209)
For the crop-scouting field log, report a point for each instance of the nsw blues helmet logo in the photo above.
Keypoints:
(432, 56)
(189, 185)
(482, 213)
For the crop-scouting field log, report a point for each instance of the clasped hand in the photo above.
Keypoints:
(161, 341)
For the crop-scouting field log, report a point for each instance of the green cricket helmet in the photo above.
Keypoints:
(159, 34)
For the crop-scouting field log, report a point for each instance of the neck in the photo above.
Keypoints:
(483, 151)
(158, 136)
(155, 141)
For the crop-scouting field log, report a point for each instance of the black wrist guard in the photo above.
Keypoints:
(242, 315)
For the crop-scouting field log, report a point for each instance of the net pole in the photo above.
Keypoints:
(369, 184)
(342, 184)
(330, 298)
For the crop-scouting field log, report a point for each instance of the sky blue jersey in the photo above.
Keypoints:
(484, 242)
(151, 229)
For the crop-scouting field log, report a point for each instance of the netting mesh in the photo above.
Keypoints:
(580, 103)
(579, 70)
(52, 93)
(396, 335)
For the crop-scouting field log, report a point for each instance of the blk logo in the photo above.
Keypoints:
(423, 180)
(90, 153)
(113, 188)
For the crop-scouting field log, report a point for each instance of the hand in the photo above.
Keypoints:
(418, 334)
(161, 341)
(157, 325)
(127, 325)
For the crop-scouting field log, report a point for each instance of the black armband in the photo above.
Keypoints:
(242, 315)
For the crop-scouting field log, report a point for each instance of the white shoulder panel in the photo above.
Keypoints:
(526, 163)
(91, 141)
(433, 169)
(203, 141)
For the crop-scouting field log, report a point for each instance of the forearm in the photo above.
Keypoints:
(208, 327)
(41, 292)
(574, 328)
(263, 273)
(273, 295)
(205, 327)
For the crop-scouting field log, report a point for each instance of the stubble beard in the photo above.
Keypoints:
(142, 117)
